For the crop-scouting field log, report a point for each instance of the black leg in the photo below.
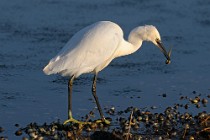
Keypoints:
(70, 84)
(96, 98)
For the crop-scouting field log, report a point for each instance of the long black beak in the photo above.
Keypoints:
(163, 50)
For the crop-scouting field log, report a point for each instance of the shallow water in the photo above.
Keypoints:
(32, 32)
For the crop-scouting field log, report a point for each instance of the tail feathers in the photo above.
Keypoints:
(47, 70)
(53, 67)
(57, 65)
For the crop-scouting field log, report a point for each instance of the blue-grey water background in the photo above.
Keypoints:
(32, 32)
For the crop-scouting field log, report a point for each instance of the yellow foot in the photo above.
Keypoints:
(72, 120)
(103, 121)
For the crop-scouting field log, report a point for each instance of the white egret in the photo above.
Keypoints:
(93, 48)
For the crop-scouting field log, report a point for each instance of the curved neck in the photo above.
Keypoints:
(130, 46)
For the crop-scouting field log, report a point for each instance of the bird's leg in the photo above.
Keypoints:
(70, 117)
(70, 84)
(96, 98)
(97, 102)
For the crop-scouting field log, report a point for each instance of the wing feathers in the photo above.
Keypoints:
(89, 48)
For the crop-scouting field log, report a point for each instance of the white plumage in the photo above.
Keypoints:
(89, 50)
(94, 47)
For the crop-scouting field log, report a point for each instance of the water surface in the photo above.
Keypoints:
(32, 32)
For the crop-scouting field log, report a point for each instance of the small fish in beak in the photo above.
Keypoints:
(163, 50)
(169, 54)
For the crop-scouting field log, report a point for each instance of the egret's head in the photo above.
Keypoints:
(150, 33)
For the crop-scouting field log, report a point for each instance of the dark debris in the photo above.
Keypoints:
(131, 123)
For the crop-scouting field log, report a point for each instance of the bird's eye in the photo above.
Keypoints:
(157, 40)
